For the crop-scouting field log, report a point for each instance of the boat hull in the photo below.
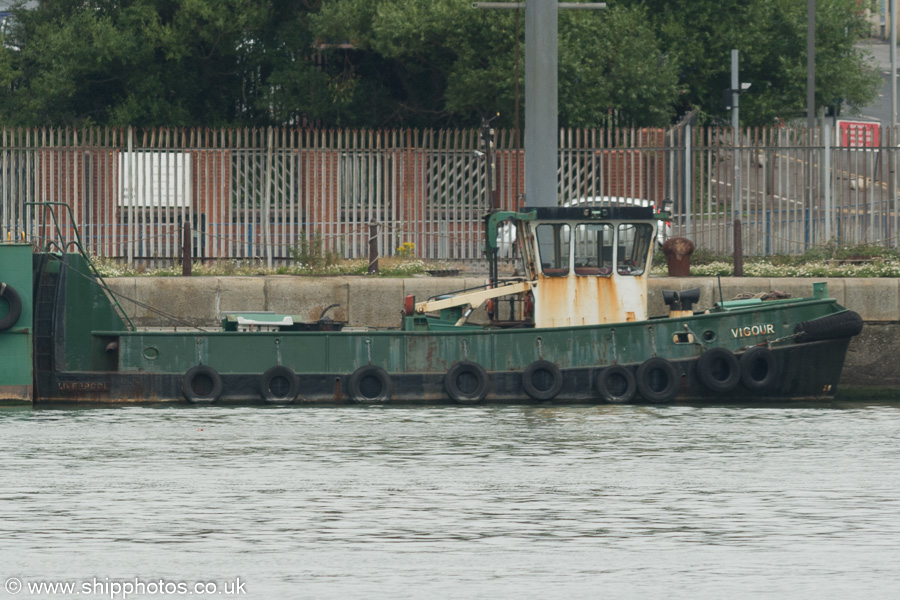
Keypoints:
(82, 351)
(806, 371)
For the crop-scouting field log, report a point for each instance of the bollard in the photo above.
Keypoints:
(186, 248)
(678, 252)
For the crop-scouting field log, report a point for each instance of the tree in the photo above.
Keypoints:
(414, 63)
(611, 62)
(771, 38)
(155, 62)
(420, 63)
(439, 62)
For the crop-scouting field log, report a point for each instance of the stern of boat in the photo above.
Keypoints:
(16, 324)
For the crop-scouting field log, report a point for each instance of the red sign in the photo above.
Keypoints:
(859, 134)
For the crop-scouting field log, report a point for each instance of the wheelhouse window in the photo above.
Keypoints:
(593, 249)
(553, 246)
(634, 241)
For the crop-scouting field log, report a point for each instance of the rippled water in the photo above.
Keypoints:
(475, 502)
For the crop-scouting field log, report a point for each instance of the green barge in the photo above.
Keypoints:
(574, 328)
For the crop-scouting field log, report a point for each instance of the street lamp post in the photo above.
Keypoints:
(732, 102)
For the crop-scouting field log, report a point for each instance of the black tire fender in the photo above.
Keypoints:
(279, 384)
(542, 380)
(606, 379)
(202, 384)
(466, 382)
(719, 369)
(759, 370)
(657, 380)
(370, 385)
(846, 323)
(15, 306)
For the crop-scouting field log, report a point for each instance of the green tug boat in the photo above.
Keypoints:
(576, 330)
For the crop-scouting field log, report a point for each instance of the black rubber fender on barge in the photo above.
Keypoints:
(202, 384)
(279, 384)
(616, 384)
(830, 327)
(542, 380)
(759, 369)
(466, 382)
(370, 385)
(719, 369)
(657, 380)
(15, 306)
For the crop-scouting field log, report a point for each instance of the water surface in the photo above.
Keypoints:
(461, 502)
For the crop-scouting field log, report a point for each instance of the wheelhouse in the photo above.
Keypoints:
(588, 265)
(583, 265)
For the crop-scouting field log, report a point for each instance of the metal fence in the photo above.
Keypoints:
(259, 193)
(792, 188)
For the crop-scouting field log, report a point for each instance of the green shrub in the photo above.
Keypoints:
(310, 253)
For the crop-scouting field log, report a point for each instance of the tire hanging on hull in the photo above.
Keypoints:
(616, 384)
(542, 380)
(466, 382)
(15, 306)
(202, 384)
(657, 380)
(279, 384)
(719, 370)
(759, 371)
(370, 385)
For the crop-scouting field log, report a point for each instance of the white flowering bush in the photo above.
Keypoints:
(110, 268)
(829, 260)
(800, 270)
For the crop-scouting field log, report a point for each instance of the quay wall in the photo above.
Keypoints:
(873, 359)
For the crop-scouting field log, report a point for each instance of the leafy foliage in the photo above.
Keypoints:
(157, 62)
(413, 63)
(439, 62)
(771, 38)
(310, 252)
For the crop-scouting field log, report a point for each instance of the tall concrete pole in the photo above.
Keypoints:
(893, 36)
(811, 63)
(810, 96)
(541, 102)
(541, 95)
